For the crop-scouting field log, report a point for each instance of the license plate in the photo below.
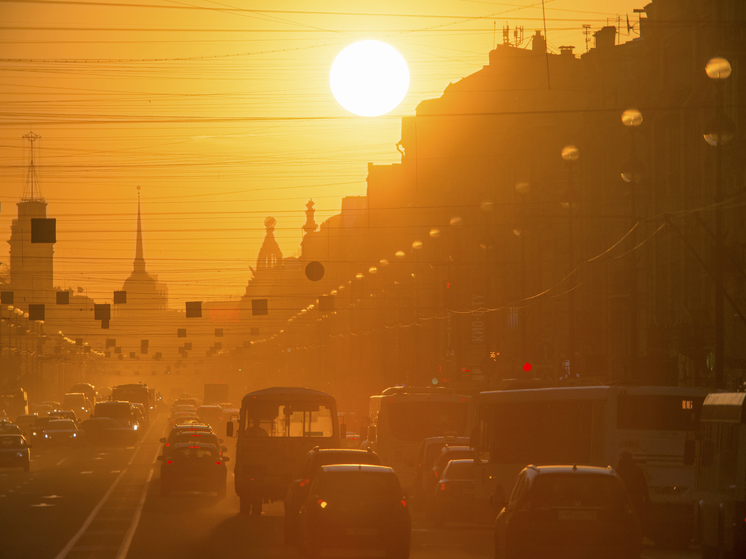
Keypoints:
(362, 531)
(576, 515)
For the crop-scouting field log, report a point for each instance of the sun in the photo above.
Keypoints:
(369, 78)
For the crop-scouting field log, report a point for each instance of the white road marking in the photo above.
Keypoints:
(86, 473)
(124, 549)
(60, 462)
(43, 505)
(52, 497)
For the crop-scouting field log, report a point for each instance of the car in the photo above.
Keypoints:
(6, 427)
(430, 481)
(105, 431)
(141, 415)
(25, 423)
(190, 403)
(190, 467)
(14, 452)
(454, 496)
(299, 488)
(182, 436)
(41, 409)
(355, 506)
(37, 430)
(64, 414)
(86, 388)
(184, 417)
(62, 431)
(426, 455)
(78, 403)
(567, 511)
(211, 414)
(185, 427)
(117, 410)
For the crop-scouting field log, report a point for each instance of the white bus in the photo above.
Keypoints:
(593, 425)
(721, 476)
(402, 417)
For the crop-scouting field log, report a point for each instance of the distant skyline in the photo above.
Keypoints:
(223, 117)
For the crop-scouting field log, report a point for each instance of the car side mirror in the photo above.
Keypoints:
(159, 458)
(229, 429)
(343, 431)
(162, 440)
(497, 499)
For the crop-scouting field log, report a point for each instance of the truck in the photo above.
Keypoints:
(216, 393)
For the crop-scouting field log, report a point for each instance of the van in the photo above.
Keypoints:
(78, 403)
(119, 411)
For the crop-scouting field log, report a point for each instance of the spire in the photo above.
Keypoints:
(270, 254)
(31, 191)
(310, 225)
(139, 258)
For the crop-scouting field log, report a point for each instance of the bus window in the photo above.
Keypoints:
(558, 432)
(415, 421)
(288, 420)
(658, 412)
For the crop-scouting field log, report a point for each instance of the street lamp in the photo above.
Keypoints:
(519, 230)
(570, 154)
(632, 119)
(720, 130)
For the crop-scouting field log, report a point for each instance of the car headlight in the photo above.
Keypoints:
(20, 455)
(33, 433)
(46, 436)
(135, 426)
(75, 434)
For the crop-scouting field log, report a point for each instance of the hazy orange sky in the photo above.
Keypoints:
(223, 115)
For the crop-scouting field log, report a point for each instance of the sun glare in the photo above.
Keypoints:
(369, 78)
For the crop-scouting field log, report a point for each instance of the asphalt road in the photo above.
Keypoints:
(105, 503)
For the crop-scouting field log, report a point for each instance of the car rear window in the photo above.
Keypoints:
(195, 452)
(197, 437)
(358, 486)
(11, 441)
(329, 458)
(576, 490)
(459, 471)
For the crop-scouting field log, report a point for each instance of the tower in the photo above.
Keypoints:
(31, 264)
(270, 254)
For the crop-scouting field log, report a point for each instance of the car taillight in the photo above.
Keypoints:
(304, 482)
(322, 503)
(218, 463)
(403, 503)
(170, 462)
(435, 473)
(168, 444)
(442, 486)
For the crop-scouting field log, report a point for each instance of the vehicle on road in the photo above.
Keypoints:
(210, 414)
(14, 452)
(184, 428)
(14, 402)
(721, 476)
(429, 450)
(136, 393)
(301, 485)
(104, 431)
(37, 430)
(355, 506)
(275, 429)
(26, 423)
(401, 418)
(7, 427)
(594, 425)
(120, 411)
(193, 467)
(86, 388)
(183, 436)
(62, 431)
(567, 511)
(454, 493)
(447, 453)
(78, 403)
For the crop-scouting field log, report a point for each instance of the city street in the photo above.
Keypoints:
(105, 503)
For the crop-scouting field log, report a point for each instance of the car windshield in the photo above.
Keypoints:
(288, 419)
(576, 490)
(196, 452)
(358, 486)
(9, 441)
(460, 470)
(60, 425)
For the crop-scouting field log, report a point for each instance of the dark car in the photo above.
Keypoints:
(193, 467)
(454, 496)
(299, 488)
(355, 506)
(62, 431)
(14, 452)
(430, 481)
(428, 452)
(8, 428)
(567, 511)
(118, 411)
(26, 423)
(211, 415)
(183, 428)
(185, 436)
(37, 429)
(105, 431)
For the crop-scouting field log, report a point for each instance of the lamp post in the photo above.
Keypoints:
(519, 230)
(719, 132)
(632, 119)
(570, 154)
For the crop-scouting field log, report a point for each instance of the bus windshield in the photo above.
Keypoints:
(415, 421)
(288, 419)
(658, 412)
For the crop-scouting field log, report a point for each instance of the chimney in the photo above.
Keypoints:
(567, 51)
(539, 43)
(605, 37)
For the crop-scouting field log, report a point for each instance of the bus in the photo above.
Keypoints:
(134, 393)
(14, 403)
(721, 476)
(593, 425)
(402, 417)
(275, 429)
